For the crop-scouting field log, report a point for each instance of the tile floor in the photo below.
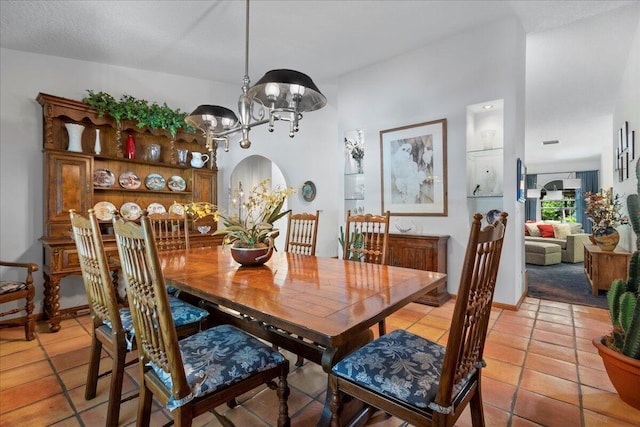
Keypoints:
(541, 370)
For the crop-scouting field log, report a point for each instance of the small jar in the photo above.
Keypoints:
(131, 147)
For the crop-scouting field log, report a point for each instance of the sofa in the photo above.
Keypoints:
(569, 236)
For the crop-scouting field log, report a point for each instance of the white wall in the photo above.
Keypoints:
(310, 156)
(627, 108)
(440, 81)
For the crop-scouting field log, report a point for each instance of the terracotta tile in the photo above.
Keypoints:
(556, 318)
(492, 417)
(76, 377)
(309, 379)
(67, 346)
(555, 304)
(609, 404)
(552, 350)
(548, 385)
(420, 308)
(11, 333)
(593, 419)
(25, 374)
(521, 422)
(554, 327)
(526, 306)
(521, 343)
(585, 345)
(307, 416)
(10, 347)
(513, 329)
(548, 365)
(590, 334)
(408, 315)
(44, 412)
(71, 359)
(592, 360)
(97, 416)
(545, 410)
(531, 300)
(595, 378)
(240, 416)
(393, 324)
(502, 371)
(21, 358)
(68, 422)
(435, 322)
(428, 332)
(594, 324)
(28, 393)
(497, 393)
(265, 404)
(504, 353)
(553, 338)
(102, 394)
(520, 315)
(62, 335)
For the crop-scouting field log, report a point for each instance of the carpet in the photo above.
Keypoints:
(563, 282)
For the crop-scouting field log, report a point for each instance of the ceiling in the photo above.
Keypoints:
(570, 44)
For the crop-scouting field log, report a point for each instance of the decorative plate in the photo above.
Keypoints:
(176, 209)
(154, 181)
(155, 208)
(176, 183)
(308, 191)
(129, 180)
(103, 178)
(104, 210)
(130, 211)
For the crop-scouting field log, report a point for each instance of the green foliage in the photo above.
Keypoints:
(623, 297)
(154, 116)
(355, 241)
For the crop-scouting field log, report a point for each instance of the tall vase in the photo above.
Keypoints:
(97, 148)
(607, 240)
(75, 136)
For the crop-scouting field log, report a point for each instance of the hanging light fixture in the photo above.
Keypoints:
(282, 94)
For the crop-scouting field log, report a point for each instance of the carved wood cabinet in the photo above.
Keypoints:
(603, 267)
(70, 183)
(421, 253)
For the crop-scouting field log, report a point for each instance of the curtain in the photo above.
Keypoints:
(589, 182)
(530, 205)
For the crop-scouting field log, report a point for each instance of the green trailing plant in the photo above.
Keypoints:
(154, 116)
(355, 241)
(624, 297)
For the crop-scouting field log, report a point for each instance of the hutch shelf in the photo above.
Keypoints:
(70, 182)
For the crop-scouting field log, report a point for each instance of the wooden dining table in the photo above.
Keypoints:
(319, 308)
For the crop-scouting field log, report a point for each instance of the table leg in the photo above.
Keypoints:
(52, 302)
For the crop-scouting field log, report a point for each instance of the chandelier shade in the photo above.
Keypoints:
(288, 90)
(212, 118)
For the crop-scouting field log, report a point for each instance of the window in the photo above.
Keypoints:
(560, 210)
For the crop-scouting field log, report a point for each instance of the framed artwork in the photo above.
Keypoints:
(521, 173)
(413, 162)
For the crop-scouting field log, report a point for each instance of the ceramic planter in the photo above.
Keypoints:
(623, 371)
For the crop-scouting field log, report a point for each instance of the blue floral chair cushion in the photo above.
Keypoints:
(400, 365)
(217, 358)
(183, 314)
(7, 287)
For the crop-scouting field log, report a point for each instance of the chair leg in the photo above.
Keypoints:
(475, 405)
(336, 401)
(94, 367)
(144, 404)
(115, 389)
(183, 416)
(283, 396)
(30, 321)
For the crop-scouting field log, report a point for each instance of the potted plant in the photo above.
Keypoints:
(620, 349)
(250, 233)
(604, 212)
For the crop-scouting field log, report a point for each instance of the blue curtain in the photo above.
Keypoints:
(590, 182)
(530, 205)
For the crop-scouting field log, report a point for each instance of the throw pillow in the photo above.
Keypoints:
(546, 230)
(575, 228)
(526, 231)
(533, 230)
(561, 231)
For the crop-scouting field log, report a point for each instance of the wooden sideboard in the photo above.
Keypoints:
(422, 253)
(603, 267)
(70, 183)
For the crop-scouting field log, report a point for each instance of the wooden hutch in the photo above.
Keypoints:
(69, 183)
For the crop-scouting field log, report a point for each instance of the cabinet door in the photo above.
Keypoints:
(205, 185)
(67, 186)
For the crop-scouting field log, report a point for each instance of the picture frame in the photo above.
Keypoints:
(521, 173)
(413, 162)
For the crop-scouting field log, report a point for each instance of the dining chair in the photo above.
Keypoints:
(13, 290)
(420, 381)
(194, 375)
(170, 231)
(366, 240)
(112, 325)
(302, 232)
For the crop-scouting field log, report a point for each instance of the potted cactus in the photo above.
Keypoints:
(620, 350)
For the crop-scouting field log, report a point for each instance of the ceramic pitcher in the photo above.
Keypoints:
(198, 159)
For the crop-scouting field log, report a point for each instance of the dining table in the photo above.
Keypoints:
(319, 308)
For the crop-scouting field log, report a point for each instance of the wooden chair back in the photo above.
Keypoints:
(101, 294)
(171, 231)
(302, 232)
(156, 336)
(366, 238)
(13, 290)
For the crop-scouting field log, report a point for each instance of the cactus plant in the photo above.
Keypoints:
(624, 297)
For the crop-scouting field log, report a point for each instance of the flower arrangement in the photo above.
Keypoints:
(261, 209)
(604, 210)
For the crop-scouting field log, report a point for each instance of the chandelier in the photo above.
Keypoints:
(279, 95)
